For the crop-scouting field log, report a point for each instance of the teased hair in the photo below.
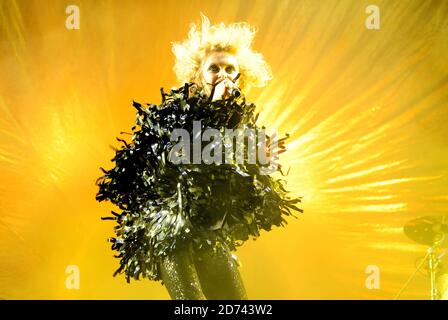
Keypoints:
(236, 38)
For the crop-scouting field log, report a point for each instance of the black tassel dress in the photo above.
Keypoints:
(165, 206)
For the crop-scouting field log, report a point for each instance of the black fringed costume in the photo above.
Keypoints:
(165, 206)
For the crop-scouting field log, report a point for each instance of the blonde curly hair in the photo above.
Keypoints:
(236, 39)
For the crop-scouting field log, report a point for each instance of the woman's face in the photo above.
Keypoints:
(219, 65)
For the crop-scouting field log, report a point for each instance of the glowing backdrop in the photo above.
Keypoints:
(367, 111)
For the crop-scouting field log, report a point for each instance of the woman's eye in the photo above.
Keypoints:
(230, 69)
(213, 68)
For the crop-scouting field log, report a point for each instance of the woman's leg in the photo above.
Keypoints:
(219, 275)
(179, 275)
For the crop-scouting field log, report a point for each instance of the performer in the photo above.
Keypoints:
(180, 222)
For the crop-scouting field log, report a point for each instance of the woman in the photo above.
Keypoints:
(181, 221)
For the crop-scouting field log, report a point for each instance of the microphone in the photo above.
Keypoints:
(236, 92)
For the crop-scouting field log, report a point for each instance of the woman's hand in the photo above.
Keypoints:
(223, 89)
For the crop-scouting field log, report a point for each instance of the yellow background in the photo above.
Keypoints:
(367, 111)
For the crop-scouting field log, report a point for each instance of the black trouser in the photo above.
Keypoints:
(202, 274)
